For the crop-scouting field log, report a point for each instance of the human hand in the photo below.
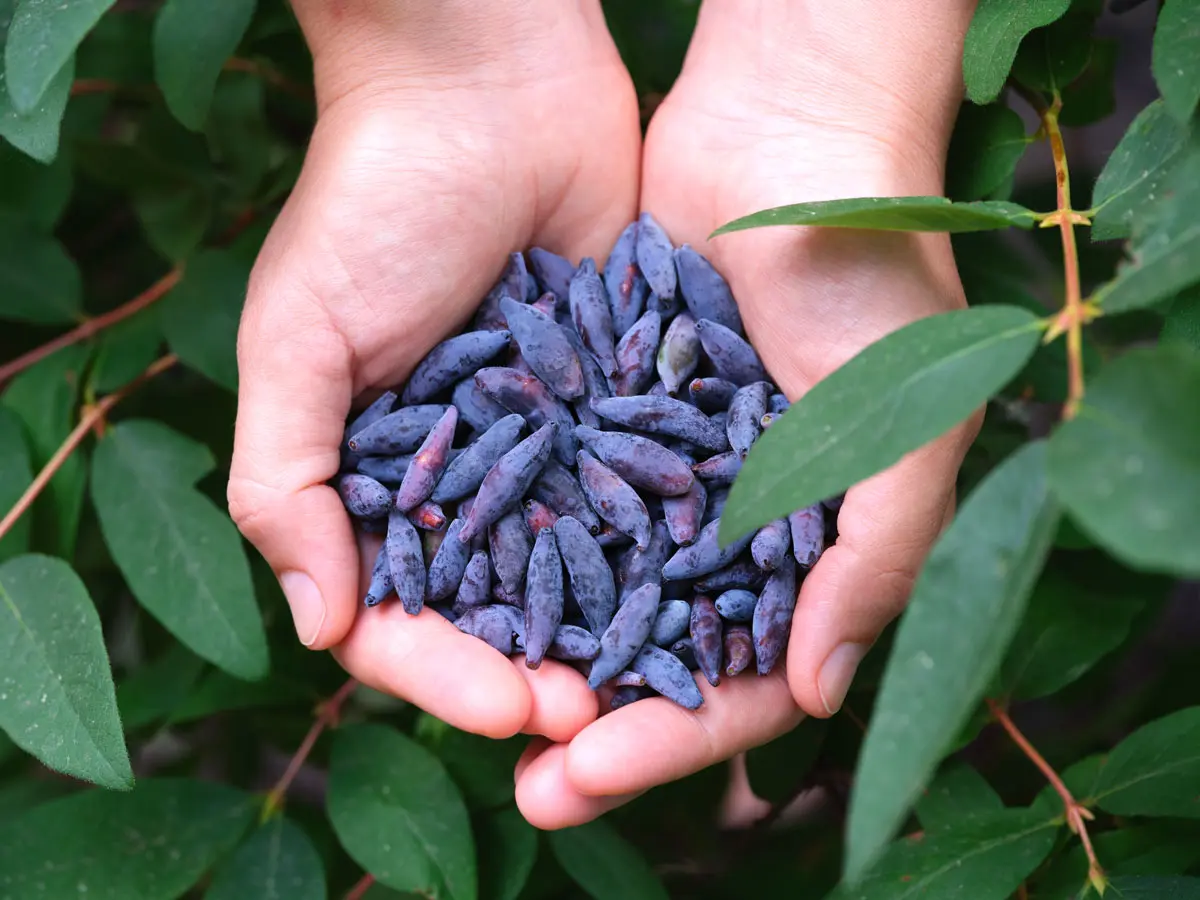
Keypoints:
(448, 136)
(780, 103)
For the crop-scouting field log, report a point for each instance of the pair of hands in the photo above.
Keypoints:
(447, 138)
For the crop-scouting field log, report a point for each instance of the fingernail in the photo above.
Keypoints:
(833, 681)
(307, 604)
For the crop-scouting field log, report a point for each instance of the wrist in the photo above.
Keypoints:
(439, 44)
(890, 73)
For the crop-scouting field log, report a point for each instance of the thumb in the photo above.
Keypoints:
(294, 392)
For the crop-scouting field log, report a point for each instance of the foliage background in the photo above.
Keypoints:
(149, 200)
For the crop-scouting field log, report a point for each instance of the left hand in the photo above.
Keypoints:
(753, 122)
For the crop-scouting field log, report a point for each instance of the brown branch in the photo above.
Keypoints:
(1076, 812)
(361, 887)
(327, 716)
(94, 326)
(89, 419)
(268, 74)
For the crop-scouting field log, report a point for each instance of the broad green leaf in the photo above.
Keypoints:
(237, 131)
(126, 349)
(1174, 60)
(957, 794)
(44, 397)
(219, 692)
(1052, 57)
(508, 847)
(1182, 325)
(277, 862)
(1164, 253)
(482, 767)
(1156, 770)
(1155, 887)
(992, 40)
(180, 554)
(153, 691)
(201, 315)
(966, 606)
(985, 859)
(1090, 97)
(891, 214)
(39, 282)
(777, 768)
(118, 49)
(41, 41)
(1136, 171)
(34, 131)
(192, 40)
(988, 143)
(896, 395)
(152, 843)
(604, 864)
(1128, 465)
(31, 191)
(16, 474)
(176, 217)
(1162, 848)
(1067, 629)
(56, 689)
(398, 814)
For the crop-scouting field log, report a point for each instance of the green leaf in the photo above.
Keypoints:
(237, 131)
(1156, 770)
(482, 767)
(1182, 325)
(23, 794)
(988, 143)
(201, 315)
(1067, 629)
(41, 41)
(777, 768)
(31, 191)
(180, 554)
(399, 815)
(44, 397)
(16, 474)
(192, 40)
(992, 40)
(1176, 69)
(277, 862)
(154, 690)
(152, 843)
(1156, 888)
(1136, 171)
(891, 214)
(1164, 254)
(966, 606)
(604, 864)
(985, 859)
(1162, 848)
(1090, 97)
(57, 699)
(1052, 57)
(508, 847)
(33, 130)
(958, 793)
(220, 692)
(896, 395)
(125, 350)
(39, 282)
(1127, 466)
(176, 217)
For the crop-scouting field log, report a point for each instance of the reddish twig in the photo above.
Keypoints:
(93, 86)
(89, 419)
(327, 716)
(269, 75)
(94, 326)
(1076, 812)
(361, 887)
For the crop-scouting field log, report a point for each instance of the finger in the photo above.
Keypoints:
(654, 741)
(294, 393)
(535, 748)
(548, 800)
(886, 527)
(561, 703)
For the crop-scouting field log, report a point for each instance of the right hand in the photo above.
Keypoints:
(448, 136)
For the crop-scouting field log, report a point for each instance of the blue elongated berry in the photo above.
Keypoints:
(450, 361)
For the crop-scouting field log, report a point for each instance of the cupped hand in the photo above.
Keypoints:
(447, 137)
(746, 128)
